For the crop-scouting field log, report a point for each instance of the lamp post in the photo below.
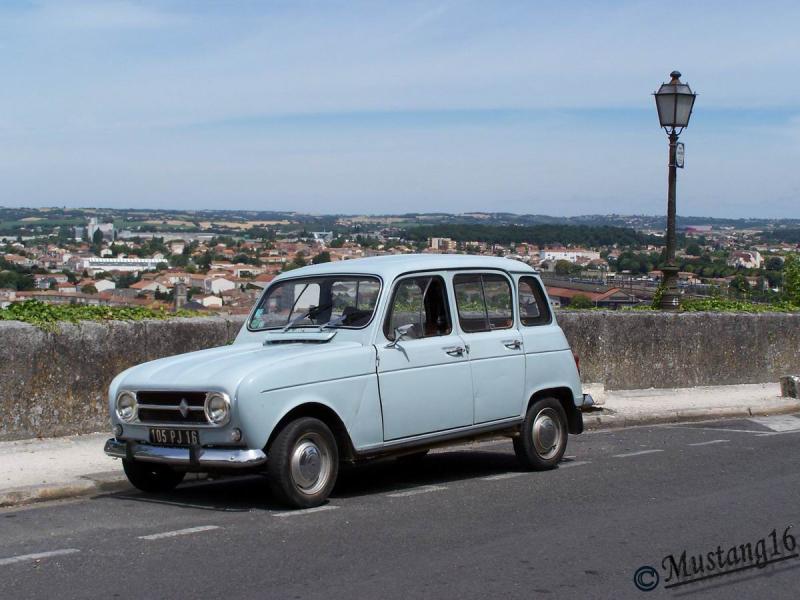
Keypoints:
(674, 101)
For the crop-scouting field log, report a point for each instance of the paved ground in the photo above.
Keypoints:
(464, 524)
(47, 469)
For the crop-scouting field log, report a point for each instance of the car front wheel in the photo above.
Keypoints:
(150, 477)
(303, 463)
(543, 438)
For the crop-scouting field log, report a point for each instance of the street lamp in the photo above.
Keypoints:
(674, 101)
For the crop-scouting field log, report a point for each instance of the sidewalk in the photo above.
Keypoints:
(49, 469)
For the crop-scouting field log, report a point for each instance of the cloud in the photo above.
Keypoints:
(455, 104)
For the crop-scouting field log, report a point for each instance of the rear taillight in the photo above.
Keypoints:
(577, 362)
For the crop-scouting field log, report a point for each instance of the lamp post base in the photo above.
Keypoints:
(671, 296)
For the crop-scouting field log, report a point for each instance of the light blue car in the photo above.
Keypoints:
(355, 360)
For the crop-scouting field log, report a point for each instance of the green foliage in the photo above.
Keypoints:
(583, 235)
(14, 277)
(694, 250)
(88, 289)
(791, 279)
(563, 267)
(740, 284)
(659, 293)
(726, 305)
(298, 261)
(581, 301)
(774, 263)
(322, 257)
(47, 316)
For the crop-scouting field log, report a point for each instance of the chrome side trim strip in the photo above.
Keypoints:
(441, 437)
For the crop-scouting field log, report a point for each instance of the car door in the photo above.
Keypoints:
(548, 359)
(424, 375)
(485, 306)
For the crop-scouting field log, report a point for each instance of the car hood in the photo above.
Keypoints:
(225, 368)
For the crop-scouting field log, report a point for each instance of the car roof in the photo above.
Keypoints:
(390, 266)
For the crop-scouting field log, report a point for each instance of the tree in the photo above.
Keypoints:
(694, 250)
(740, 284)
(774, 263)
(299, 260)
(581, 301)
(97, 238)
(88, 289)
(322, 257)
(791, 279)
(563, 267)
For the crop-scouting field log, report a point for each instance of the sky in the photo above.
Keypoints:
(389, 107)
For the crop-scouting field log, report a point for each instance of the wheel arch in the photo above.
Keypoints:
(325, 414)
(565, 398)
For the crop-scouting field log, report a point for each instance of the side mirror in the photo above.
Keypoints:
(399, 334)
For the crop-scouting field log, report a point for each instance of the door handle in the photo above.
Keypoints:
(512, 344)
(454, 350)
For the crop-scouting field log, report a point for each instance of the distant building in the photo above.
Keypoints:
(612, 298)
(746, 259)
(107, 229)
(570, 254)
(440, 244)
(322, 236)
(129, 265)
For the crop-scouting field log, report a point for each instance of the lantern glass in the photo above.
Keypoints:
(683, 109)
(674, 102)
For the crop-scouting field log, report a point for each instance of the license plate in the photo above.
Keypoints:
(174, 437)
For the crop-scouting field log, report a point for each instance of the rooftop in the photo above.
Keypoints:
(393, 265)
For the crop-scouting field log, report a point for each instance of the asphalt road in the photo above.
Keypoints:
(463, 524)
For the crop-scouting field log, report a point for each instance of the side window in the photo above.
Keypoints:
(484, 302)
(497, 292)
(533, 308)
(421, 302)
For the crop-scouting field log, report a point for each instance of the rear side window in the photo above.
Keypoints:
(484, 302)
(533, 306)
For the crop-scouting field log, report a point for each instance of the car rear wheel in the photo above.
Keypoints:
(543, 438)
(303, 463)
(151, 477)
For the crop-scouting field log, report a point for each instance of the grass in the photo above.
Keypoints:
(728, 306)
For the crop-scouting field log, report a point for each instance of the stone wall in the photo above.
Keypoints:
(634, 350)
(55, 383)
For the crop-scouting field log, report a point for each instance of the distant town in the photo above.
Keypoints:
(219, 261)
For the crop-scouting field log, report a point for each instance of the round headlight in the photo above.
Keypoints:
(218, 409)
(126, 406)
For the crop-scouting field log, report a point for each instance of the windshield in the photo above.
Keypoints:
(334, 301)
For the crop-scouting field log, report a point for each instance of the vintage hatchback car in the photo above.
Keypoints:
(355, 360)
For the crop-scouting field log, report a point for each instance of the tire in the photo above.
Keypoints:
(303, 463)
(414, 458)
(151, 477)
(543, 438)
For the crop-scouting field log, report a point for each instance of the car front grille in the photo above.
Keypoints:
(171, 407)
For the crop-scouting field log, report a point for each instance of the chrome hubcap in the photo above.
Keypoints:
(547, 433)
(310, 464)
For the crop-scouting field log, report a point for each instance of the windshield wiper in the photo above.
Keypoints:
(334, 322)
(311, 312)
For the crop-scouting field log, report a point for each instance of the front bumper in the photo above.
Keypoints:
(195, 457)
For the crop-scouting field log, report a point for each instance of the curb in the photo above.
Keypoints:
(59, 491)
(592, 422)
